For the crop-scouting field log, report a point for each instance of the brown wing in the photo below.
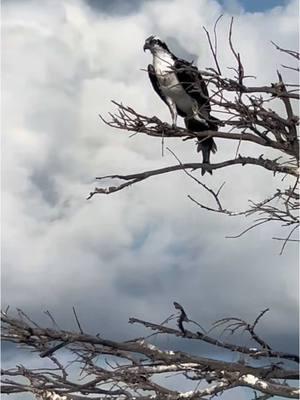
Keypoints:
(155, 83)
(193, 83)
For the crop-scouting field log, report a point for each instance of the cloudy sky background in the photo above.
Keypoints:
(135, 252)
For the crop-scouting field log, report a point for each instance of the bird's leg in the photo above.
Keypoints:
(173, 111)
(174, 117)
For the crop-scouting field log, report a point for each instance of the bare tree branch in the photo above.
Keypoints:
(246, 113)
(139, 362)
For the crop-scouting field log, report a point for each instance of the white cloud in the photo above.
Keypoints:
(135, 252)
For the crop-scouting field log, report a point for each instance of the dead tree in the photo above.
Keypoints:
(248, 114)
(81, 366)
(134, 369)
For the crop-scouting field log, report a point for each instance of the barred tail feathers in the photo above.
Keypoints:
(206, 146)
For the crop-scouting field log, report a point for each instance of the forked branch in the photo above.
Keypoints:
(129, 370)
(246, 114)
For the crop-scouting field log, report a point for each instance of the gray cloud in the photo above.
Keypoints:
(116, 7)
(134, 253)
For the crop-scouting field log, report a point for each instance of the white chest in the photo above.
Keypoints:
(169, 83)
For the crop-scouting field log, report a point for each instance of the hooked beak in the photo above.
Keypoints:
(146, 46)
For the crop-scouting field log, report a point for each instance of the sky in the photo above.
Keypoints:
(253, 5)
(137, 251)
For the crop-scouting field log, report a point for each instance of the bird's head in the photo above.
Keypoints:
(154, 44)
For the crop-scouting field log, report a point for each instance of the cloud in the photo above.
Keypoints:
(116, 7)
(135, 252)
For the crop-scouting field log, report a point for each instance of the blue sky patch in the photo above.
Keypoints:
(254, 5)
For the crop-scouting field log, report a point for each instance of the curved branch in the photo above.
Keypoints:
(141, 362)
(187, 334)
(132, 121)
(128, 119)
(17, 331)
(268, 387)
(131, 179)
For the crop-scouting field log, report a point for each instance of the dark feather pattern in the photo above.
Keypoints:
(205, 145)
(193, 83)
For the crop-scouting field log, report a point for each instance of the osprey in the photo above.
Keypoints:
(180, 85)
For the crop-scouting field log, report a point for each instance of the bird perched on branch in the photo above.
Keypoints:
(181, 86)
